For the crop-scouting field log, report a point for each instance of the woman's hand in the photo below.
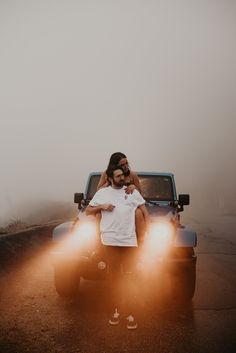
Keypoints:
(130, 189)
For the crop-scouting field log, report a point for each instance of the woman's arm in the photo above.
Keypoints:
(136, 181)
(134, 185)
(103, 182)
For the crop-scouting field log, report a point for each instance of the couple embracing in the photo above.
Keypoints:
(123, 218)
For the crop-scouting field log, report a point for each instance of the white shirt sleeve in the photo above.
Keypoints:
(138, 199)
(97, 199)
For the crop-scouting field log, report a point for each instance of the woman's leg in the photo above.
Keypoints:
(140, 226)
(98, 233)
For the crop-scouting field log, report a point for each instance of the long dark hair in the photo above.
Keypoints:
(115, 158)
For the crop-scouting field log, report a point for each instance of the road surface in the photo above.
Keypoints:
(34, 319)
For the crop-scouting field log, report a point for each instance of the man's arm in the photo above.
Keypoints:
(93, 210)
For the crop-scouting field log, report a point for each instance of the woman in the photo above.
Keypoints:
(131, 179)
(131, 182)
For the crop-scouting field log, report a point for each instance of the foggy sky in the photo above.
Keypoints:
(80, 80)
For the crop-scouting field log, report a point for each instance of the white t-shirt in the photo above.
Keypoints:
(118, 226)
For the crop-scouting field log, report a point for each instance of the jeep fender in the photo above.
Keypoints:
(61, 231)
(185, 238)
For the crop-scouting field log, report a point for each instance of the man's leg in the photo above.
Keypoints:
(130, 285)
(113, 255)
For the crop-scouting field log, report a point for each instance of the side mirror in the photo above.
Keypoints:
(78, 198)
(184, 199)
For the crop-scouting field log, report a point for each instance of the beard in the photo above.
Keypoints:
(120, 184)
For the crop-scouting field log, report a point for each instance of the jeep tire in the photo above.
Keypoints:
(66, 279)
(183, 276)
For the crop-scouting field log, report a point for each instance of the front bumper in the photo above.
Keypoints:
(94, 266)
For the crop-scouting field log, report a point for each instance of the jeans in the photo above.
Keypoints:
(122, 279)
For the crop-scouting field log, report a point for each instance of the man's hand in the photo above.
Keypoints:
(130, 189)
(93, 210)
(107, 207)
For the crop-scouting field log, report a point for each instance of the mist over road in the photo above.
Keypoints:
(81, 80)
(34, 319)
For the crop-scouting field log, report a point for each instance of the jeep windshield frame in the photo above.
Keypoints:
(157, 187)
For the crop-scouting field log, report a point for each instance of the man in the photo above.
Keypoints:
(131, 181)
(118, 235)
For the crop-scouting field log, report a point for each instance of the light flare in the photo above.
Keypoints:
(159, 238)
(83, 235)
(85, 230)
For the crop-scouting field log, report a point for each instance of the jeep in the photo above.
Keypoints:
(169, 245)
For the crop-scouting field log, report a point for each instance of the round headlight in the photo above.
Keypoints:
(160, 237)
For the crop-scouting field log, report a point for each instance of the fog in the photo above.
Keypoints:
(80, 80)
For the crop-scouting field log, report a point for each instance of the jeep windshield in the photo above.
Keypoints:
(153, 187)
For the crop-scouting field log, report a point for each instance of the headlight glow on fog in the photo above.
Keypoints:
(85, 230)
(160, 237)
(83, 234)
